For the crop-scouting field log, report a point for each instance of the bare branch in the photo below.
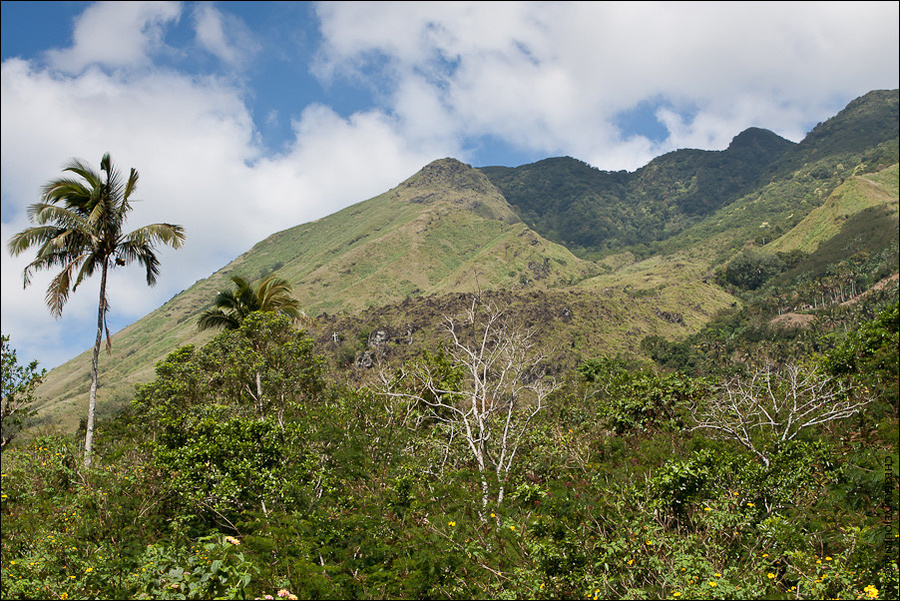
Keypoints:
(773, 407)
(501, 392)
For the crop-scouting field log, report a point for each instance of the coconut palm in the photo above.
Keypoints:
(79, 228)
(230, 307)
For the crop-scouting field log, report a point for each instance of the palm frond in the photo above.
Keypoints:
(157, 233)
(60, 287)
(216, 318)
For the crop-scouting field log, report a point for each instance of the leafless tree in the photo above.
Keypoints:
(503, 387)
(772, 406)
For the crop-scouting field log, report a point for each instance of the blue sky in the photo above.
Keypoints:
(245, 118)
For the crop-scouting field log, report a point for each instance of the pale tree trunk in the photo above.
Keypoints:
(95, 365)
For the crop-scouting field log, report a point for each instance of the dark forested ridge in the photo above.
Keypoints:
(469, 410)
(590, 210)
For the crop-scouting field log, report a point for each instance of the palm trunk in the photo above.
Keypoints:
(95, 365)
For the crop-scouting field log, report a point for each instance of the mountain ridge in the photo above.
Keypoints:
(452, 229)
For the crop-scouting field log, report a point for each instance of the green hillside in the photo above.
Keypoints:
(446, 229)
(596, 212)
(664, 232)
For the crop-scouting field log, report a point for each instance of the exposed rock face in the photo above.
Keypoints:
(379, 337)
(365, 360)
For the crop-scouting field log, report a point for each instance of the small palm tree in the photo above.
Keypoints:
(232, 306)
(80, 228)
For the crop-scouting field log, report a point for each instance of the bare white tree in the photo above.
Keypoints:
(500, 388)
(772, 407)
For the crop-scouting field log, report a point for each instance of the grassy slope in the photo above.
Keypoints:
(856, 195)
(445, 229)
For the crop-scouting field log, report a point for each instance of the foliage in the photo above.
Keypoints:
(216, 419)
(213, 568)
(263, 368)
(19, 382)
(869, 355)
(231, 307)
(751, 269)
(640, 399)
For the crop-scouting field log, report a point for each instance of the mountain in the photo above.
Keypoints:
(594, 261)
(591, 210)
(594, 212)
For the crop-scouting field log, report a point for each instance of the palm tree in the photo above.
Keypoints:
(232, 306)
(80, 229)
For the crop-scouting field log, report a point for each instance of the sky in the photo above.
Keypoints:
(247, 118)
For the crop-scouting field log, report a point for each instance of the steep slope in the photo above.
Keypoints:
(863, 124)
(596, 212)
(858, 194)
(447, 228)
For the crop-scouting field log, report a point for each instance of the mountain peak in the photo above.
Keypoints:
(758, 138)
(450, 173)
(453, 181)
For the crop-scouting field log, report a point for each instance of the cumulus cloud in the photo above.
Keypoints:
(116, 34)
(553, 76)
(224, 36)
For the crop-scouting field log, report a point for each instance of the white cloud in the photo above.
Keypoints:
(116, 34)
(224, 36)
(552, 76)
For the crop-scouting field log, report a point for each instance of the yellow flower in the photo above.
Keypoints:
(711, 583)
(770, 576)
(707, 509)
(871, 591)
(493, 516)
(676, 594)
(630, 561)
(717, 575)
(827, 559)
(89, 570)
(750, 505)
(649, 542)
(451, 523)
(765, 554)
(64, 596)
(512, 527)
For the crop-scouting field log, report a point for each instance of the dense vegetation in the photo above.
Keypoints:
(204, 488)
